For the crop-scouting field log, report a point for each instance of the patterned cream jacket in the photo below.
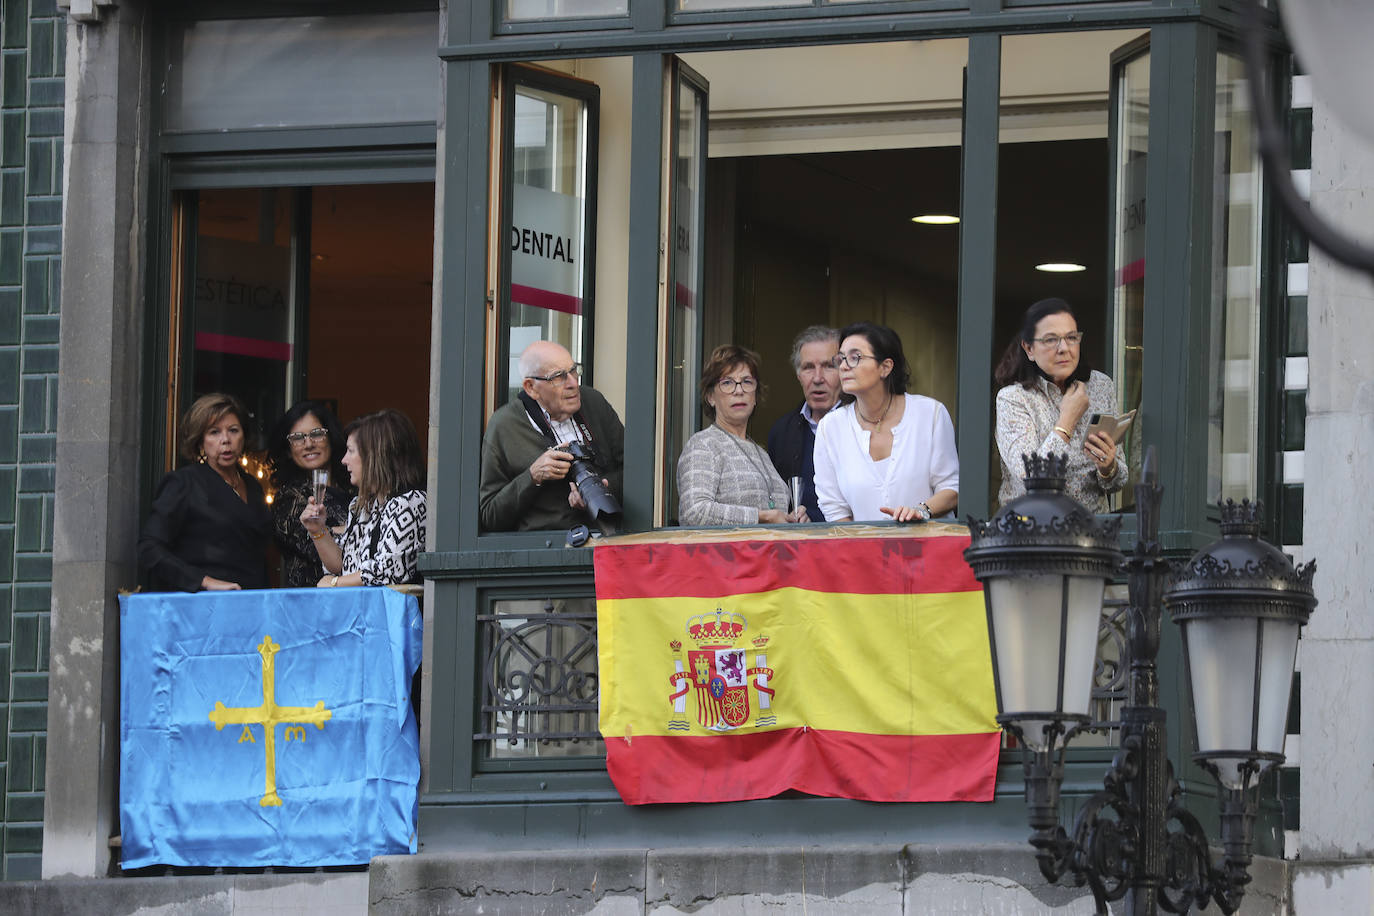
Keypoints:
(1025, 424)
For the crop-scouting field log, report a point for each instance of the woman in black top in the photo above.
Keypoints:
(209, 524)
(307, 438)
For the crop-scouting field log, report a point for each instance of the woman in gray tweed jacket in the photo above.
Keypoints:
(724, 477)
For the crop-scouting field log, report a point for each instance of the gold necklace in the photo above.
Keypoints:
(878, 423)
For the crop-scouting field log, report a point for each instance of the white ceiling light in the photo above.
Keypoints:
(936, 219)
(1060, 268)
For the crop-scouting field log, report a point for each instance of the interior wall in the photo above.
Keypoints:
(924, 315)
(799, 239)
(782, 285)
(614, 78)
(371, 284)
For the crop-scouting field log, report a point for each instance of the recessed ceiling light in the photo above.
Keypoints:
(936, 219)
(1060, 268)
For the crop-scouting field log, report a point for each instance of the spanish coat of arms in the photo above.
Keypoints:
(718, 673)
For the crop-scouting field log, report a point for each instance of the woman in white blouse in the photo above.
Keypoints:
(1046, 400)
(886, 453)
(385, 533)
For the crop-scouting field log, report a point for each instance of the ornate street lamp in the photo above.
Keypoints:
(1332, 38)
(1044, 561)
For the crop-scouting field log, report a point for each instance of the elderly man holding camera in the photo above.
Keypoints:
(539, 444)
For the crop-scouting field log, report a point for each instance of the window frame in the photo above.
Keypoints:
(589, 94)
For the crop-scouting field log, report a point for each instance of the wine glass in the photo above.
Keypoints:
(319, 480)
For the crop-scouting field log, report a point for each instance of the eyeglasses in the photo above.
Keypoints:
(728, 385)
(1054, 340)
(851, 359)
(315, 434)
(574, 371)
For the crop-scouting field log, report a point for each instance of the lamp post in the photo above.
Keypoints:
(1331, 38)
(1044, 561)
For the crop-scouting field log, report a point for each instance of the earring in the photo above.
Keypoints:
(202, 456)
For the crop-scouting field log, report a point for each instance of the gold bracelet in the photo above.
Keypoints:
(315, 536)
(1068, 437)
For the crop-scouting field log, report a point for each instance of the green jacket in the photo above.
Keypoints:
(510, 501)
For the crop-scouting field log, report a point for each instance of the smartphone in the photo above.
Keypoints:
(1113, 427)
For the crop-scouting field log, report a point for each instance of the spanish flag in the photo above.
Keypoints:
(848, 662)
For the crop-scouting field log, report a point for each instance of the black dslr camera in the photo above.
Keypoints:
(602, 506)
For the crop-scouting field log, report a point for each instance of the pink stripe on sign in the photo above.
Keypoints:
(1131, 272)
(685, 297)
(243, 346)
(544, 299)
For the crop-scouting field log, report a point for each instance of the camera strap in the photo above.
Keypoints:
(541, 421)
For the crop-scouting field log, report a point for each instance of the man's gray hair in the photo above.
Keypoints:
(530, 364)
(814, 334)
(537, 356)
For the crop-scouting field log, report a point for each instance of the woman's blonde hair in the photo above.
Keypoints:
(390, 453)
(207, 410)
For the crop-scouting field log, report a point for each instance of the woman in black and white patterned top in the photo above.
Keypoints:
(385, 532)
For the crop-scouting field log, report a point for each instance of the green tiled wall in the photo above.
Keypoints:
(33, 45)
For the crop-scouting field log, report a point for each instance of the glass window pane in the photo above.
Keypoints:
(548, 219)
(1233, 404)
(1054, 188)
(519, 10)
(306, 71)
(698, 6)
(242, 309)
(1132, 117)
(684, 309)
(539, 690)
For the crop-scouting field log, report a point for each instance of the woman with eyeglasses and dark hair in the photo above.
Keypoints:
(885, 454)
(209, 524)
(307, 438)
(385, 532)
(1047, 397)
(723, 476)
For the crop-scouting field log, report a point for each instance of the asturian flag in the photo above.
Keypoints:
(268, 727)
(735, 668)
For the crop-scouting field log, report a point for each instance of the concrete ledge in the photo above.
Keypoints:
(561, 881)
(853, 879)
(1341, 886)
(336, 893)
(986, 880)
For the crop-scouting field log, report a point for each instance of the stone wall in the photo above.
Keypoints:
(1336, 867)
(31, 126)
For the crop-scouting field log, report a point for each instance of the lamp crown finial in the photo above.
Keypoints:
(1241, 518)
(1045, 472)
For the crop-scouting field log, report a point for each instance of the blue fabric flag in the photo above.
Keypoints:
(268, 727)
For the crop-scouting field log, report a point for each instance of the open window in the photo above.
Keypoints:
(284, 293)
(547, 253)
(688, 109)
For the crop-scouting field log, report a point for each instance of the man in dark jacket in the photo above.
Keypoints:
(792, 439)
(525, 484)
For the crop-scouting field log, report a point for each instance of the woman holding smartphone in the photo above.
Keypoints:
(1047, 397)
(306, 451)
